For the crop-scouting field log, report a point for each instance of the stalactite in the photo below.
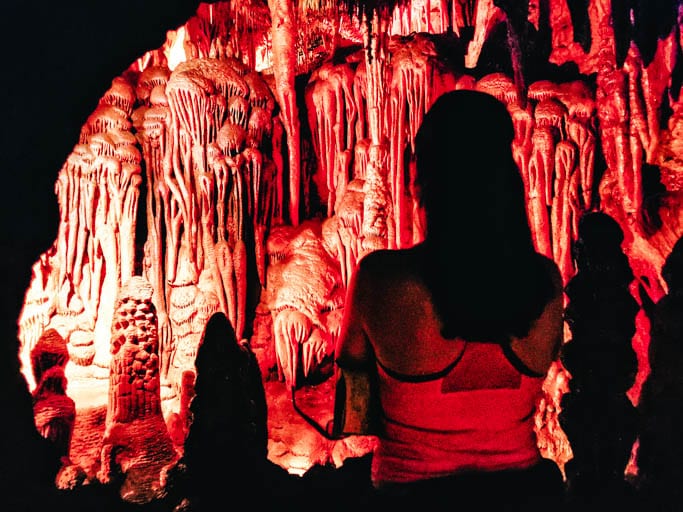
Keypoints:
(349, 227)
(501, 86)
(238, 203)
(562, 212)
(612, 102)
(149, 78)
(322, 112)
(462, 17)
(654, 83)
(105, 118)
(153, 134)
(430, 16)
(486, 16)
(283, 18)
(360, 86)
(189, 91)
(581, 134)
(564, 45)
(301, 306)
(263, 216)
(131, 173)
(522, 145)
(541, 168)
(207, 204)
(410, 96)
(549, 116)
(332, 115)
(253, 170)
(378, 225)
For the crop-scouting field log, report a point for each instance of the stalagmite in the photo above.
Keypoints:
(135, 438)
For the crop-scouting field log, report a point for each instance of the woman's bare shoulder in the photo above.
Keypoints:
(389, 270)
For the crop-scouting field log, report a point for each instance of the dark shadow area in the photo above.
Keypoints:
(660, 444)
(60, 58)
(227, 445)
(597, 416)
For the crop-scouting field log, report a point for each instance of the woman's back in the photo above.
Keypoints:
(450, 406)
(462, 328)
(404, 329)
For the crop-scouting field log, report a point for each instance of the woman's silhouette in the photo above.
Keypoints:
(462, 327)
(226, 449)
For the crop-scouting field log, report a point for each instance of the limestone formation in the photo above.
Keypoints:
(136, 444)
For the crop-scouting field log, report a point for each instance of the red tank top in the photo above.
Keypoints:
(477, 414)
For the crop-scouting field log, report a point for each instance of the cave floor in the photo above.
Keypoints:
(292, 442)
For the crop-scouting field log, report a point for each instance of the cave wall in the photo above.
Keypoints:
(224, 175)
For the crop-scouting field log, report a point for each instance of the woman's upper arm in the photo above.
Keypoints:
(353, 348)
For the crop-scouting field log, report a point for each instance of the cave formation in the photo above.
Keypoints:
(249, 161)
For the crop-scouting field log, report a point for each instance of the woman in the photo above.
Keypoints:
(461, 328)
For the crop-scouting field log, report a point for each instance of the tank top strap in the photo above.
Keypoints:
(517, 362)
(404, 377)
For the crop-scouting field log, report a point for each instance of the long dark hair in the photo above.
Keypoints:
(487, 281)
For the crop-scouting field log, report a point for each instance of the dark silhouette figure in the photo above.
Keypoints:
(226, 449)
(460, 329)
(597, 416)
(660, 447)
